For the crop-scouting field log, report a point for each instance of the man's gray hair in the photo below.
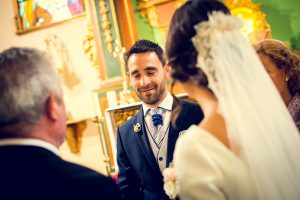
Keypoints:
(27, 77)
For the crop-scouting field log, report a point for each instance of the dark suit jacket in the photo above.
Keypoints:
(30, 172)
(139, 174)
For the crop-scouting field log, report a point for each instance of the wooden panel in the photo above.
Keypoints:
(127, 22)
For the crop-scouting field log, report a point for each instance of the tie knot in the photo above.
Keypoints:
(157, 119)
(156, 116)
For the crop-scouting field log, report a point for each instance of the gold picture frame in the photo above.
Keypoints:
(32, 15)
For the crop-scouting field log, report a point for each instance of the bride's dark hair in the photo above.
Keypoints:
(180, 50)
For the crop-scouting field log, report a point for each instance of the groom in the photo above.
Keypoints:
(146, 142)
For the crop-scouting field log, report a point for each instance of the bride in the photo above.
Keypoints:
(247, 146)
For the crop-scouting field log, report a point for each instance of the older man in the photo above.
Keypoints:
(32, 127)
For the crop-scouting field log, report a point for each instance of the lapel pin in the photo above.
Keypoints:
(137, 128)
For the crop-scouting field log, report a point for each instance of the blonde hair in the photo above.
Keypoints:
(284, 58)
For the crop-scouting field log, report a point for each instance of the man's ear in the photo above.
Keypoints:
(52, 107)
(168, 70)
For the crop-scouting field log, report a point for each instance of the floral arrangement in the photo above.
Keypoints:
(170, 185)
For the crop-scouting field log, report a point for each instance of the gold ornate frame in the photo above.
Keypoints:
(256, 26)
(154, 10)
(36, 26)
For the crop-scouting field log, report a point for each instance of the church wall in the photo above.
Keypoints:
(283, 17)
(83, 80)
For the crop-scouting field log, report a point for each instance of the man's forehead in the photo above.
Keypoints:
(136, 69)
(143, 60)
(143, 57)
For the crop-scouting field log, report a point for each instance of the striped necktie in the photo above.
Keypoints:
(156, 129)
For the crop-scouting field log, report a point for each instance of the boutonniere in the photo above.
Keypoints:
(137, 127)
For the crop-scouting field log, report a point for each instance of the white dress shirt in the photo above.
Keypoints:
(30, 142)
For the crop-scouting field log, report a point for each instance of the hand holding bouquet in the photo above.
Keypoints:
(170, 182)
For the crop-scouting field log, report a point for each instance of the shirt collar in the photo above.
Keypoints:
(30, 142)
(167, 104)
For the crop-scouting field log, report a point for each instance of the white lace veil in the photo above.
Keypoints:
(257, 120)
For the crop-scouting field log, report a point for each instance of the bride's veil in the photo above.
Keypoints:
(258, 122)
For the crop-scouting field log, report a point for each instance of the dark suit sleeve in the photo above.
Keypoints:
(73, 181)
(103, 188)
(190, 114)
(128, 182)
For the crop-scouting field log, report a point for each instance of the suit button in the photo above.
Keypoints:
(160, 158)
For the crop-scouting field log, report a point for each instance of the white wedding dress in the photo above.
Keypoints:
(206, 169)
(267, 166)
(257, 122)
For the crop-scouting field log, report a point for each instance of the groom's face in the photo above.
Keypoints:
(147, 76)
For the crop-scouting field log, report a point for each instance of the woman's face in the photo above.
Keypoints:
(277, 75)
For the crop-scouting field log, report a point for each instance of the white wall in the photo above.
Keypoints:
(90, 154)
(77, 98)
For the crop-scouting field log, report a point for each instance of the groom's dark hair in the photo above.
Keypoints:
(142, 46)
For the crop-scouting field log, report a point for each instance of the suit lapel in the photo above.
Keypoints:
(144, 143)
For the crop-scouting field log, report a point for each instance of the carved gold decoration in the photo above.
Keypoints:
(118, 53)
(255, 23)
(74, 135)
(99, 120)
(60, 55)
(58, 50)
(117, 31)
(120, 116)
(105, 24)
(148, 8)
(89, 46)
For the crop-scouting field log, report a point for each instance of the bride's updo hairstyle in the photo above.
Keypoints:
(180, 50)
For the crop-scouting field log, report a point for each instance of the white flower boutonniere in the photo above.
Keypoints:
(137, 127)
